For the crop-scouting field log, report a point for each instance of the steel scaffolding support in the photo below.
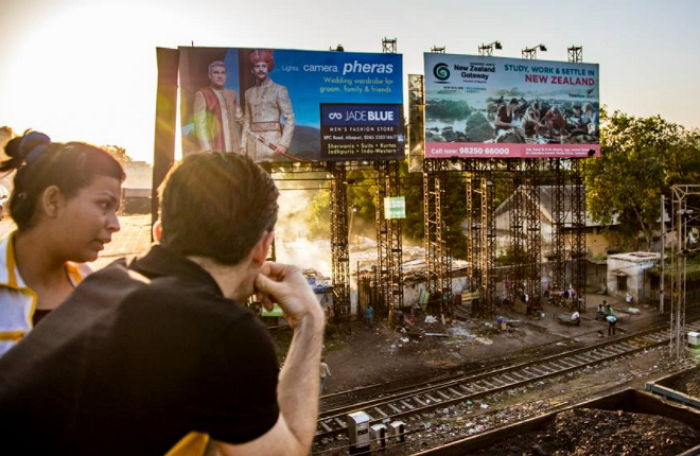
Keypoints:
(559, 219)
(578, 248)
(533, 233)
(389, 240)
(340, 254)
(685, 219)
(487, 245)
(389, 45)
(481, 233)
(472, 235)
(438, 263)
(516, 232)
(382, 270)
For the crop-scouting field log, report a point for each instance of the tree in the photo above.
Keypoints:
(362, 191)
(640, 159)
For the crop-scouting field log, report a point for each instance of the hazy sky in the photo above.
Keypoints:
(86, 70)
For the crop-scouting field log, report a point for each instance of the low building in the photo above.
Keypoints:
(630, 273)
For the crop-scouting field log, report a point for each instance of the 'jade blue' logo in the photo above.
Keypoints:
(441, 71)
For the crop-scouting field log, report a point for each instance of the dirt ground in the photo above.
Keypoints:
(381, 355)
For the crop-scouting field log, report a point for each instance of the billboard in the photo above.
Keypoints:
(479, 106)
(279, 105)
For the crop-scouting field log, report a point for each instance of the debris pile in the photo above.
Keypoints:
(688, 383)
(580, 432)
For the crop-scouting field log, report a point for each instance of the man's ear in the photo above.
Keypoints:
(262, 247)
(52, 200)
(157, 230)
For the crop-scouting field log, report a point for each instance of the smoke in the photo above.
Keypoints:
(292, 242)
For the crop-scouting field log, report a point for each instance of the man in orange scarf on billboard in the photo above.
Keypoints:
(217, 113)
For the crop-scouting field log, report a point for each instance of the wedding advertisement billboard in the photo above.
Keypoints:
(278, 105)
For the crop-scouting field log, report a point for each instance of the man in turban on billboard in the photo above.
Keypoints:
(265, 136)
(216, 113)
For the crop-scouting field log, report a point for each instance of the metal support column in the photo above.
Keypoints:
(487, 246)
(340, 253)
(533, 233)
(578, 249)
(685, 201)
(516, 233)
(559, 216)
(389, 240)
(438, 270)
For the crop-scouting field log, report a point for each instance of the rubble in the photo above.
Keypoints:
(580, 432)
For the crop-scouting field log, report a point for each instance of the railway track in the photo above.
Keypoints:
(403, 403)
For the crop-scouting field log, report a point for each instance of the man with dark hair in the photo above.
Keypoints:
(140, 355)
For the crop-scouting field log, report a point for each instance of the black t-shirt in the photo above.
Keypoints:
(129, 365)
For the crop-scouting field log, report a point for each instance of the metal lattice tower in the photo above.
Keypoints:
(575, 53)
(382, 270)
(473, 236)
(533, 232)
(487, 49)
(389, 45)
(516, 231)
(486, 245)
(685, 219)
(481, 233)
(340, 253)
(559, 218)
(578, 220)
(531, 53)
(437, 260)
(389, 239)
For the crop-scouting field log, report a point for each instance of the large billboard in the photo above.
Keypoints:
(478, 106)
(279, 105)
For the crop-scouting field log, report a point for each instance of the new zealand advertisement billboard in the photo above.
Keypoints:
(279, 105)
(477, 106)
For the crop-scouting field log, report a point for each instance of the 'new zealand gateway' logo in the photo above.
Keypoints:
(441, 71)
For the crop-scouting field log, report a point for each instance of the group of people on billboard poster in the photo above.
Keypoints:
(266, 121)
(519, 120)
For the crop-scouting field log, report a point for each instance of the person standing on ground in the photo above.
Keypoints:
(369, 316)
(612, 319)
(145, 352)
(325, 373)
(64, 203)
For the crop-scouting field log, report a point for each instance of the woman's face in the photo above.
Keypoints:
(87, 220)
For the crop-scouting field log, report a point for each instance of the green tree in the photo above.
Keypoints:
(640, 159)
(362, 191)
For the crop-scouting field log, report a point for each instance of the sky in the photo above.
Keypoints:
(86, 69)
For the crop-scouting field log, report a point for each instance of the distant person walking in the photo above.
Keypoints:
(612, 319)
(325, 373)
(369, 316)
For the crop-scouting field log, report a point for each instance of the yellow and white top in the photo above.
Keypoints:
(17, 300)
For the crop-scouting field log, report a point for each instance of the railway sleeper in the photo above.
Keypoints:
(443, 395)
(380, 411)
